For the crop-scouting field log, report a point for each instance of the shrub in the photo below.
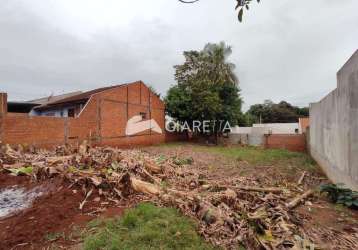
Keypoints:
(337, 193)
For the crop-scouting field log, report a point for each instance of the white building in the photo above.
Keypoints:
(268, 128)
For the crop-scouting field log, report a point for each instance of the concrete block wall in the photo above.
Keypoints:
(102, 121)
(333, 129)
(278, 128)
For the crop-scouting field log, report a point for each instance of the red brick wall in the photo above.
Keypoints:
(289, 142)
(39, 131)
(304, 123)
(103, 121)
(115, 112)
(175, 137)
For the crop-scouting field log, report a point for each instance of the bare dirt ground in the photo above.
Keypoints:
(54, 221)
(53, 218)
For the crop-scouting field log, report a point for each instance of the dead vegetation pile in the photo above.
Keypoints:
(230, 212)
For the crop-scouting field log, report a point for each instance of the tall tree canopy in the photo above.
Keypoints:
(269, 112)
(206, 89)
(240, 5)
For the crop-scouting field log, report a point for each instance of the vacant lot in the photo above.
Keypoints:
(221, 177)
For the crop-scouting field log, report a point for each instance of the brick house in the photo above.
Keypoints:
(122, 115)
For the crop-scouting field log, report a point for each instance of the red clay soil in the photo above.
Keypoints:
(7, 180)
(55, 212)
(333, 223)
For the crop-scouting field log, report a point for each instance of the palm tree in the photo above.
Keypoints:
(216, 66)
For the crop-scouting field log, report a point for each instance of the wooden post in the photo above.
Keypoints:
(3, 112)
(3, 104)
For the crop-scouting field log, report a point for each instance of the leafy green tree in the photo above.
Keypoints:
(240, 6)
(269, 112)
(207, 88)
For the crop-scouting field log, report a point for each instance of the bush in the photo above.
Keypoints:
(340, 195)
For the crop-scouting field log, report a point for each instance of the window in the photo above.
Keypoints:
(50, 114)
(71, 112)
(143, 115)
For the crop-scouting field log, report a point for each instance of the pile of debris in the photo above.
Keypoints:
(230, 212)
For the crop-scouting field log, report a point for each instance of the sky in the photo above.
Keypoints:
(284, 50)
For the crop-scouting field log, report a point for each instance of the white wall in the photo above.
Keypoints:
(279, 128)
(268, 128)
(334, 128)
(241, 130)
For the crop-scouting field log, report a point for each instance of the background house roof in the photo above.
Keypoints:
(83, 96)
(53, 98)
(76, 97)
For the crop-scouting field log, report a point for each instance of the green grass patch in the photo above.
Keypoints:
(145, 227)
(255, 155)
(54, 236)
(260, 156)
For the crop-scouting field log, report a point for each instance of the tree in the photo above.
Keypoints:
(269, 112)
(207, 88)
(240, 6)
(209, 65)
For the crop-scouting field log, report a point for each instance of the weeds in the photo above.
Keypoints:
(256, 155)
(54, 236)
(259, 156)
(145, 227)
(183, 161)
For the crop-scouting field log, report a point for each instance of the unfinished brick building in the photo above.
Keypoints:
(122, 115)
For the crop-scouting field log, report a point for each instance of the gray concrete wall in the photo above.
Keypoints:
(334, 128)
(244, 139)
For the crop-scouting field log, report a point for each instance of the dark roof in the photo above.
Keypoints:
(83, 97)
(53, 98)
(20, 107)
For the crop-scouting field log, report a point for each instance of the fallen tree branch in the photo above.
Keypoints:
(85, 200)
(301, 178)
(144, 187)
(299, 198)
(151, 177)
(152, 167)
(259, 189)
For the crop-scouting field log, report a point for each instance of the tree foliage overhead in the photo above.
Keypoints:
(209, 65)
(207, 87)
(240, 6)
(270, 112)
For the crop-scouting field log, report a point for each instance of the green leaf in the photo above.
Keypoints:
(21, 171)
(241, 13)
(355, 203)
(348, 203)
